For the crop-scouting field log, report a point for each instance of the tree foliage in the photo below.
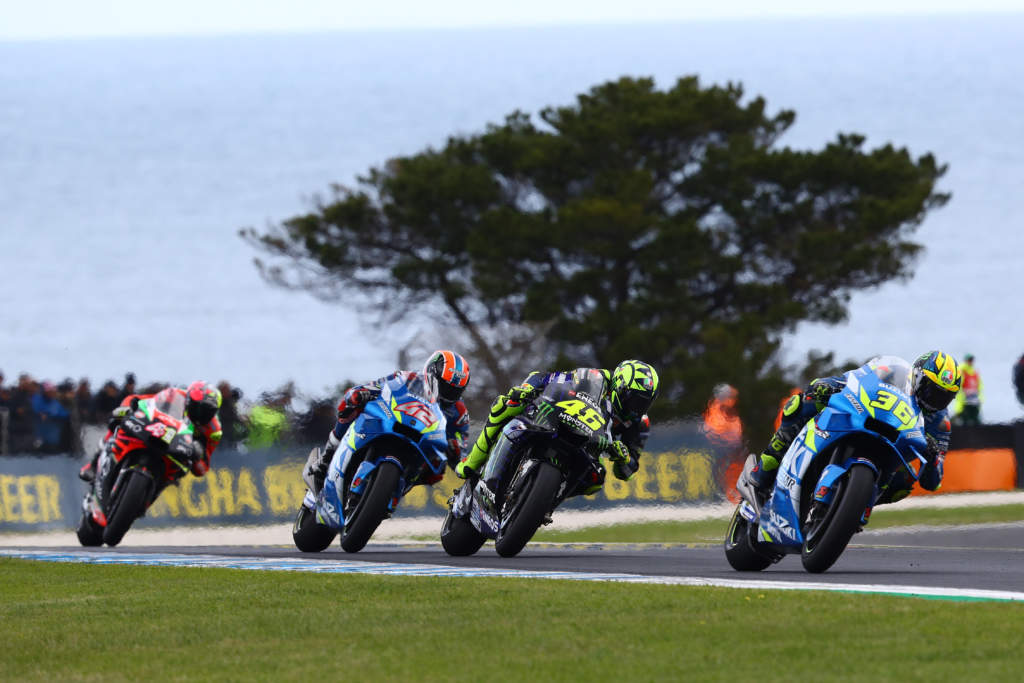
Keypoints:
(665, 225)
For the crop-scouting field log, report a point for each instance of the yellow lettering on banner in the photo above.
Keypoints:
(248, 494)
(29, 498)
(193, 508)
(27, 501)
(169, 503)
(218, 483)
(7, 498)
(285, 488)
(416, 498)
(640, 480)
(668, 474)
(698, 478)
(615, 489)
(443, 490)
(48, 495)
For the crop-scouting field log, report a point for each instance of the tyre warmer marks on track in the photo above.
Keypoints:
(408, 569)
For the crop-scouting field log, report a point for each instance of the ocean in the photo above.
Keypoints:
(127, 167)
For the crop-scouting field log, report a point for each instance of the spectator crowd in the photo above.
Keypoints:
(44, 418)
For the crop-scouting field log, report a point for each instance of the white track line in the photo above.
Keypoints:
(404, 569)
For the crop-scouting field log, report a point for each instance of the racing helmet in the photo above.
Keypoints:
(445, 375)
(935, 380)
(202, 401)
(634, 386)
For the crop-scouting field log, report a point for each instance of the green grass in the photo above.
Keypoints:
(112, 623)
(713, 530)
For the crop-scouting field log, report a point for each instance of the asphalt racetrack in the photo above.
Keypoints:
(987, 557)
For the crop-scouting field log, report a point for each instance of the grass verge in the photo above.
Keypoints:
(95, 622)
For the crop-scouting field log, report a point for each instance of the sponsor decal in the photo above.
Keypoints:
(781, 525)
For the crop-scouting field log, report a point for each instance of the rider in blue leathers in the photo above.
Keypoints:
(445, 374)
(935, 380)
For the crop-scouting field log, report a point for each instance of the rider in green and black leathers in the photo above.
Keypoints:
(629, 391)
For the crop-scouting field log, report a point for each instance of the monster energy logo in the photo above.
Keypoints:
(543, 412)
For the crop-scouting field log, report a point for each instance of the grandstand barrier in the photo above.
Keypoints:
(265, 487)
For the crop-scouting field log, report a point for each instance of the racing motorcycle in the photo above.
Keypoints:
(397, 442)
(869, 437)
(544, 456)
(151, 447)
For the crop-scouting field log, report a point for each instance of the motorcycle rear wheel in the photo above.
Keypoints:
(309, 535)
(823, 547)
(372, 508)
(530, 508)
(738, 549)
(128, 505)
(90, 534)
(459, 537)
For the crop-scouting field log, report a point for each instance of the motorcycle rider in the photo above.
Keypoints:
(445, 374)
(935, 380)
(629, 391)
(201, 400)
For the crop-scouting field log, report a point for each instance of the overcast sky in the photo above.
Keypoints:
(32, 19)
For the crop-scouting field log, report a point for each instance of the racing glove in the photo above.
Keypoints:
(118, 414)
(455, 447)
(624, 463)
(199, 464)
(822, 389)
(353, 401)
(522, 393)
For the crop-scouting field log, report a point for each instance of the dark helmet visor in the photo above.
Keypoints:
(932, 397)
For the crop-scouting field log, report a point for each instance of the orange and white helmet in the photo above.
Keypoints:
(446, 375)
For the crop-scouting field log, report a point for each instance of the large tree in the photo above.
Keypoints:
(668, 226)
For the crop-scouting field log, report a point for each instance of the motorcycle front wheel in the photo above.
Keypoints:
(532, 501)
(127, 506)
(372, 507)
(828, 538)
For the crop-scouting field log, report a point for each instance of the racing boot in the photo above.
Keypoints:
(88, 471)
(318, 467)
(763, 475)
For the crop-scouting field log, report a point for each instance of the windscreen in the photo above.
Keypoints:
(417, 388)
(586, 381)
(891, 370)
(170, 402)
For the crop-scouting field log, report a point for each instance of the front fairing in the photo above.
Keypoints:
(398, 412)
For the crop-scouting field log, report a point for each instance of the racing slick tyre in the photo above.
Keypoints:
(311, 536)
(826, 539)
(127, 506)
(459, 537)
(90, 534)
(372, 507)
(529, 503)
(738, 549)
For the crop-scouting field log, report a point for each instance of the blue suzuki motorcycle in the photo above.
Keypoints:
(397, 442)
(867, 441)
